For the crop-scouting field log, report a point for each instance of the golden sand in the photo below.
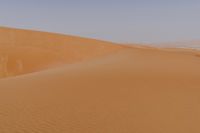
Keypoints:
(93, 86)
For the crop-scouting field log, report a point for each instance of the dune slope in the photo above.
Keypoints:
(23, 51)
(131, 90)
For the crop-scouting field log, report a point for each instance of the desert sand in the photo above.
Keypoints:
(52, 83)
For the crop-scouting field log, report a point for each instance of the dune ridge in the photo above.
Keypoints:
(120, 89)
(24, 51)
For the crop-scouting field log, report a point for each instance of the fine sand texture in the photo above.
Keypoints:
(53, 83)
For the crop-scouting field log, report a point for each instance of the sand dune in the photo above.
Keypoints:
(23, 51)
(180, 44)
(115, 89)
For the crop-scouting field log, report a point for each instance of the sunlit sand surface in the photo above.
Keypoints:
(53, 83)
(24, 51)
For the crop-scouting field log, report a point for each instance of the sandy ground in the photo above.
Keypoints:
(99, 88)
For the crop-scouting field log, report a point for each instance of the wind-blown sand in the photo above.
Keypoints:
(93, 86)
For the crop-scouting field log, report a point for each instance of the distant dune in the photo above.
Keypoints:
(181, 44)
(64, 84)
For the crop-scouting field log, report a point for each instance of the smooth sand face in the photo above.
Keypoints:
(123, 90)
(24, 51)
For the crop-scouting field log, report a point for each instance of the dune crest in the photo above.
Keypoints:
(23, 51)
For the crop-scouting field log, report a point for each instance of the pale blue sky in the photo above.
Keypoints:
(114, 20)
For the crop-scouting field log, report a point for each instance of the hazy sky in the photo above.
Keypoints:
(115, 20)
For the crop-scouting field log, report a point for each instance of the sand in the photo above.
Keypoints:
(23, 51)
(101, 87)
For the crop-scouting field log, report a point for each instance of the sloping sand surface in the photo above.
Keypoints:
(123, 90)
(23, 51)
